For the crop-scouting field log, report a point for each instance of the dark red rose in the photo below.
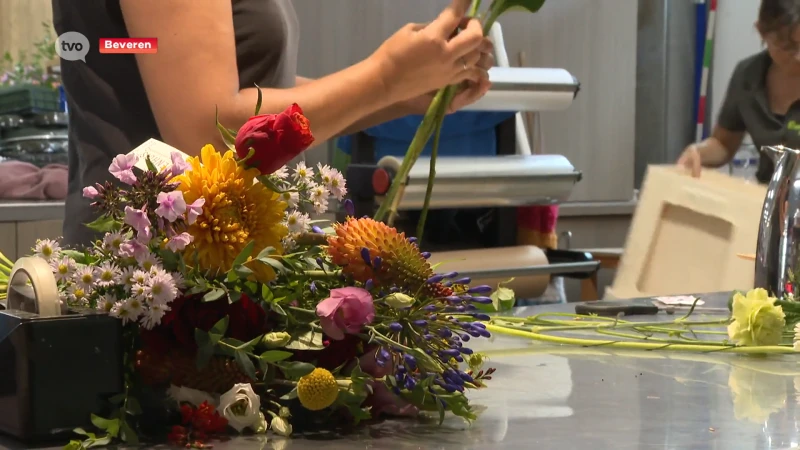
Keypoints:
(275, 138)
(335, 354)
(247, 320)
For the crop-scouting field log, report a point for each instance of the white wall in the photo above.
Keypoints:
(735, 39)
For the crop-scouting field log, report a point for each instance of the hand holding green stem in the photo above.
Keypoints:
(434, 117)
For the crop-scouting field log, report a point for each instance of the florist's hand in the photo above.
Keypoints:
(422, 58)
(469, 91)
(690, 159)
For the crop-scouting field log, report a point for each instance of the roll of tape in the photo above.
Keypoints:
(43, 282)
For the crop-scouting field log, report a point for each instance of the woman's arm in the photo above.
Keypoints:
(720, 147)
(384, 115)
(195, 69)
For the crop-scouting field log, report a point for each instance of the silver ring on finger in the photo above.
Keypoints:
(464, 64)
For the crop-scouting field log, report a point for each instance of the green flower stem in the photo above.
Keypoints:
(302, 310)
(423, 216)
(705, 348)
(430, 122)
(323, 274)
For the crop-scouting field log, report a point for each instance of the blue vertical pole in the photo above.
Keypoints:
(700, 44)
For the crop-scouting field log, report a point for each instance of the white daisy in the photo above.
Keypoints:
(318, 193)
(297, 222)
(333, 181)
(147, 260)
(126, 278)
(139, 291)
(153, 315)
(135, 307)
(47, 249)
(303, 174)
(108, 274)
(161, 289)
(178, 279)
(139, 277)
(292, 198)
(77, 295)
(63, 268)
(84, 277)
(321, 207)
(106, 303)
(120, 311)
(288, 243)
(281, 173)
(113, 242)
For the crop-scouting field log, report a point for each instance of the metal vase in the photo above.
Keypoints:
(778, 245)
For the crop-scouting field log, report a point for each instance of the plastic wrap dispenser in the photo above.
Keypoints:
(57, 365)
(491, 181)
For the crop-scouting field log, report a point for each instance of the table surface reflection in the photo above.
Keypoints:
(554, 397)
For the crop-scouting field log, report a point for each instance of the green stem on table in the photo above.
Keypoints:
(703, 348)
(323, 273)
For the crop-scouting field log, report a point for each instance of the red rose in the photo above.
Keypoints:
(275, 138)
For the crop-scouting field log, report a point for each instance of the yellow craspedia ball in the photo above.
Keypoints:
(317, 390)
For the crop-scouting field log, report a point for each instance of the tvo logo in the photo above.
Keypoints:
(72, 46)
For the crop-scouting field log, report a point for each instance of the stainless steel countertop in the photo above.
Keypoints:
(28, 210)
(551, 397)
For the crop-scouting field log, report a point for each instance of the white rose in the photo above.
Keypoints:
(192, 396)
(242, 407)
(281, 426)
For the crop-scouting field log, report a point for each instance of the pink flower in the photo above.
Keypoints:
(137, 218)
(179, 165)
(133, 249)
(122, 168)
(90, 192)
(171, 205)
(195, 209)
(347, 310)
(179, 242)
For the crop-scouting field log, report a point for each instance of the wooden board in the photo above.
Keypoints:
(686, 234)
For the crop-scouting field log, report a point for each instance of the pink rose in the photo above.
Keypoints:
(347, 310)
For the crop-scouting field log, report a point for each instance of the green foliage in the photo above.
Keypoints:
(31, 67)
(104, 224)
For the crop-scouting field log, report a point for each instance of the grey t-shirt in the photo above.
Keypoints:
(746, 109)
(108, 109)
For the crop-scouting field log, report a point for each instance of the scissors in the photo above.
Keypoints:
(638, 307)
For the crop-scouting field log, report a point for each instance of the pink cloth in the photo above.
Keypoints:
(24, 181)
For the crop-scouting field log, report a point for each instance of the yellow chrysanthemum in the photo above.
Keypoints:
(757, 320)
(238, 209)
(317, 390)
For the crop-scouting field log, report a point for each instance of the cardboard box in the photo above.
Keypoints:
(686, 233)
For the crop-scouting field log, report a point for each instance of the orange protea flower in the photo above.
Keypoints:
(238, 209)
(400, 262)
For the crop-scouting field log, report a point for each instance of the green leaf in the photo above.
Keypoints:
(274, 263)
(83, 432)
(103, 224)
(117, 399)
(297, 369)
(310, 340)
(244, 362)
(266, 181)
(214, 295)
(229, 140)
(98, 442)
(150, 166)
(205, 348)
(127, 434)
(524, 5)
(244, 254)
(268, 251)
(219, 329)
(243, 272)
(273, 356)
(290, 396)
(111, 426)
(278, 309)
(234, 296)
(134, 408)
(249, 346)
(74, 445)
(258, 103)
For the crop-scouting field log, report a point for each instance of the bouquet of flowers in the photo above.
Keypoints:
(242, 313)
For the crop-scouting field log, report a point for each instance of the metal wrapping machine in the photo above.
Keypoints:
(496, 185)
